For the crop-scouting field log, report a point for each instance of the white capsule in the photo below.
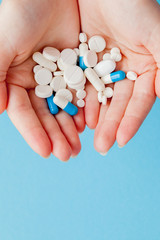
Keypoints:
(68, 56)
(73, 75)
(100, 95)
(107, 56)
(104, 68)
(81, 103)
(104, 100)
(77, 51)
(94, 79)
(43, 91)
(65, 93)
(41, 60)
(83, 48)
(81, 94)
(64, 104)
(108, 92)
(97, 43)
(117, 57)
(58, 73)
(43, 76)
(131, 75)
(82, 37)
(58, 83)
(115, 50)
(90, 58)
(51, 53)
(37, 68)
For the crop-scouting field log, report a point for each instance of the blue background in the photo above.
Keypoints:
(91, 197)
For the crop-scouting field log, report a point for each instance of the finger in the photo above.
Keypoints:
(105, 133)
(25, 120)
(60, 146)
(139, 106)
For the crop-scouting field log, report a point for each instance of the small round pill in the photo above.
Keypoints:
(100, 95)
(104, 100)
(97, 43)
(117, 57)
(37, 68)
(58, 73)
(65, 93)
(58, 83)
(115, 50)
(82, 37)
(107, 56)
(108, 92)
(90, 58)
(51, 53)
(81, 103)
(68, 56)
(131, 75)
(43, 91)
(81, 94)
(43, 76)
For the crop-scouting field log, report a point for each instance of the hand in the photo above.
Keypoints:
(134, 27)
(26, 27)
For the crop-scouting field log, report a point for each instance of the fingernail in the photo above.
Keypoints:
(103, 154)
(121, 146)
(74, 156)
(47, 156)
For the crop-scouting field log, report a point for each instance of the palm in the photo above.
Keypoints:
(123, 24)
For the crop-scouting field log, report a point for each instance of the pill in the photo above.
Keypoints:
(58, 73)
(51, 53)
(43, 76)
(81, 103)
(58, 83)
(114, 77)
(81, 94)
(52, 106)
(37, 68)
(100, 95)
(73, 75)
(107, 56)
(61, 65)
(115, 50)
(43, 91)
(68, 56)
(108, 92)
(104, 100)
(90, 58)
(131, 75)
(117, 57)
(94, 79)
(81, 63)
(80, 86)
(82, 37)
(105, 67)
(41, 60)
(97, 43)
(64, 104)
(83, 48)
(77, 51)
(65, 93)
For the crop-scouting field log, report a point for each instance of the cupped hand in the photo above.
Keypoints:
(134, 27)
(26, 27)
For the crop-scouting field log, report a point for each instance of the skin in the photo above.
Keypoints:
(134, 27)
(26, 27)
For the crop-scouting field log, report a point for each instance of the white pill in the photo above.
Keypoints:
(94, 79)
(77, 51)
(58, 83)
(131, 75)
(115, 50)
(81, 94)
(104, 100)
(90, 58)
(37, 68)
(65, 93)
(73, 75)
(100, 95)
(51, 53)
(82, 37)
(68, 56)
(107, 56)
(58, 73)
(43, 76)
(83, 48)
(79, 86)
(105, 67)
(81, 103)
(60, 64)
(108, 92)
(97, 43)
(117, 57)
(43, 91)
(41, 60)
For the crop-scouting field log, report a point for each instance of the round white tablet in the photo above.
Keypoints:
(104, 68)
(100, 95)
(37, 68)
(108, 92)
(131, 75)
(51, 53)
(117, 57)
(58, 73)
(104, 100)
(107, 56)
(90, 58)
(81, 94)
(65, 93)
(82, 37)
(43, 76)
(81, 103)
(73, 75)
(115, 50)
(68, 56)
(97, 43)
(58, 83)
(43, 91)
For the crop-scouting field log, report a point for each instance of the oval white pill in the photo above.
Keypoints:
(43, 76)
(105, 67)
(108, 92)
(37, 68)
(117, 57)
(51, 53)
(107, 56)
(58, 73)
(104, 100)
(90, 58)
(73, 75)
(81, 103)
(83, 48)
(43, 91)
(41, 60)
(94, 79)
(58, 83)
(97, 43)
(68, 56)
(100, 95)
(115, 50)
(81, 94)
(82, 37)
(65, 93)
(131, 75)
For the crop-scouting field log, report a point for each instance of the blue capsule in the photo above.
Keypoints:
(114, 77)
(71, 109)
(81, 63)
(52, 106)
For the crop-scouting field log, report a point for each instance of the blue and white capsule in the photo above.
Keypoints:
(64, 104)
(83, 48)
(114, 77)
(52, 106)
(81, 63)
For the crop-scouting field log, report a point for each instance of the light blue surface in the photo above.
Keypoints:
(91, 197)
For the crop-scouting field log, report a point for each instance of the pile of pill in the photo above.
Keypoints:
(57, 73)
